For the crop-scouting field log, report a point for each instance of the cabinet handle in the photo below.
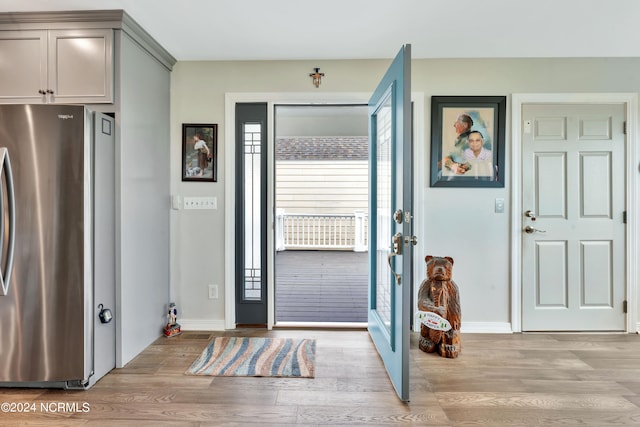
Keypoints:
(49, 91)
(42, 92)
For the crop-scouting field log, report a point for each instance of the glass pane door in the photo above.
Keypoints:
(390, 248)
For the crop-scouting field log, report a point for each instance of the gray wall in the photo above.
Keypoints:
(458, 222)
(142, 217)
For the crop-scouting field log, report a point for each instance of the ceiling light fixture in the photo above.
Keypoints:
(317, 77)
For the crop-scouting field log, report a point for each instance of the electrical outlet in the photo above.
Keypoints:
(213, 291)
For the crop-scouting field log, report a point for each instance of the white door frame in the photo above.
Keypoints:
(301, 98)
(630, 100)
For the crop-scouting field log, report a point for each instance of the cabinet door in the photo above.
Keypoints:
(80, 64)
(23, 66)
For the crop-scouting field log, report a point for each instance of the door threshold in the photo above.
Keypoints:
(322, 325)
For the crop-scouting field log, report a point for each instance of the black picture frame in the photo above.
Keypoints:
(193, 160)
(453, 162)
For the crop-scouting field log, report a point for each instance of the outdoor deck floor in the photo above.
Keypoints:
(321, 286)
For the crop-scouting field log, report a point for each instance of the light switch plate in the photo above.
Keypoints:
(499, 205)
(176, 202)
(200, 203)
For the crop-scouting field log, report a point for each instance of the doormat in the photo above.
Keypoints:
(256, 357)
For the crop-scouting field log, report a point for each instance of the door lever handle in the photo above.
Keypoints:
(530, 230)
(397, 276)
(396, 250)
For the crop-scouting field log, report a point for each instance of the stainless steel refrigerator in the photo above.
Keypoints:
(57, 257)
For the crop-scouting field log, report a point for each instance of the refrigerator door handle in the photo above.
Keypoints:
(5, 274)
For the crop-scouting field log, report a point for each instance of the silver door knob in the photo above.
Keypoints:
(397, 216)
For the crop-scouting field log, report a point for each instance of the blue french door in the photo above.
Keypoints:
(390, 213)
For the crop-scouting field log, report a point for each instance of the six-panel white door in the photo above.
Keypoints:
(573, 242)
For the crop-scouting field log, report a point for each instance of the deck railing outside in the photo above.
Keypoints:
(321, 231)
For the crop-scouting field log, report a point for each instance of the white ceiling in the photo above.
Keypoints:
(361, 29)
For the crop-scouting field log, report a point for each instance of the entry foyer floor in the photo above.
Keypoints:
(507, 380)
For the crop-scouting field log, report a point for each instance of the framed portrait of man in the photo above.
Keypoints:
(467, 141)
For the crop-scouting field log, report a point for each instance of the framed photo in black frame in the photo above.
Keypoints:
(467, 141)
(199, 152)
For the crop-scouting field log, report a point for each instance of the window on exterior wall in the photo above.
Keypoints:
(252, 290)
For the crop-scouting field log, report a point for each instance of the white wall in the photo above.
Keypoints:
(458, 222)
(142, 216)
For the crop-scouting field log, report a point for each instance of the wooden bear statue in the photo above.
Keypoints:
(439, 294)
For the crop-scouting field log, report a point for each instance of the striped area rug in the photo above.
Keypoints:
(256, 357)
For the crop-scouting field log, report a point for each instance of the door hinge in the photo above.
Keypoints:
(624, 127)
(624, 217)
(624, 306)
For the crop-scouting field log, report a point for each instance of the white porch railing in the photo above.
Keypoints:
(321, 231)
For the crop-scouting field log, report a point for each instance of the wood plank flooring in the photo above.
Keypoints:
(498, 380)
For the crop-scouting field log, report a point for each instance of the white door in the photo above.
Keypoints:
(573, 207)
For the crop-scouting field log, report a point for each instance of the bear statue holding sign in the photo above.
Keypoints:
(439, 309)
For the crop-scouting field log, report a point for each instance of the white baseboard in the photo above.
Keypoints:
(201, 325)
(478, 327)
(486, 328)
(467, 327)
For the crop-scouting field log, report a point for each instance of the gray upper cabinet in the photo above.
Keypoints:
(56, 66)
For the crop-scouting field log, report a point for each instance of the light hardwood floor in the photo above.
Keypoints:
(498, 380)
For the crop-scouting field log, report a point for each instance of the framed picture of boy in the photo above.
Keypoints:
(199, 152)
(467, 141)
